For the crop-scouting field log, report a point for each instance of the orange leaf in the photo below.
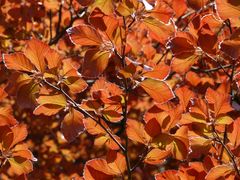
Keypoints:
(162, 11)
(198, 113)
(99, 169)
(135, 131)
(75, 84)
(168, 174)
(180, 147)
(156, 156)
(20, 165)
(199, 146)
(158, 90)
(18, 61)
(106, 6)
(50, 104)
(153, 128)
(160, 72)
(109, 89)
(117, 162)
(53, 58)
(108, 141)
(182, 64)
(185, 95)
(219, 100)
(35, 51)
(72, 125)
(158, 30)
(6, 117)
(3, 94)
(232, 46)
(234, 134)
(93, 127)
(197, 4)
(95, 62)
(182, 44)
(19, 134)
(229, 10)
(84, 35)
(220, 171)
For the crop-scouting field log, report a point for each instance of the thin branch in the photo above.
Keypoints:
(220, 65)
(193, 12)
(131, 23)
(142, 157)
(210, 70)
(85, 113)
(123, 42)
(63, 31)
(224, 142)
(230, 154)
(59, 18)
(124, 109)
(163, 55)
(50, 24)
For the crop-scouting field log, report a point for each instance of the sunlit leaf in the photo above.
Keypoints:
(229, 10)
(84, 35)
(158, 90)
(35, 51)
(19, 62)
(156, 156)
(95, 62)
(220, 171)
(158, 30)
(135, 131)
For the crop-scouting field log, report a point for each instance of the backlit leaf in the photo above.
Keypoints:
(158, 30)
(95, 62)
(35, 51)
(158, 90)
(135, 131)
(72, 125)
(220, 171)
(18, 61)
(84, 35)
(229, 10)
(156, 156)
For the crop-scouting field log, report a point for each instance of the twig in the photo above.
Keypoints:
(85, 113)
(193, 12)
(163, 55)
(221, 66)
(210, 70)
(142, 157)
(231, 156)
(59, 18)
(50, 24)
(63, 31)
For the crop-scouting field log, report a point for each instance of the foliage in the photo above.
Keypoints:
(93, 89)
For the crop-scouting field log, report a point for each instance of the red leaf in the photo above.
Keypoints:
(72, 125)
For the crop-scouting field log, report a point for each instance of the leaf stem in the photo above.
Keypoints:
(85, 113)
